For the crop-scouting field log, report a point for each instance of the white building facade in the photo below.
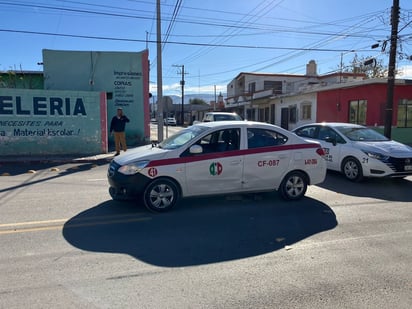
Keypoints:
(286, 100)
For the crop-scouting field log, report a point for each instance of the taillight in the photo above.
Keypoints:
(320, 152)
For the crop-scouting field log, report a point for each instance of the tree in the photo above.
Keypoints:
(372, 67)
(197, 101)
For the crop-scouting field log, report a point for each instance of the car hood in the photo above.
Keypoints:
(390, 148)
(147, 152)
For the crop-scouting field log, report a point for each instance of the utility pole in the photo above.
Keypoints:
(159, 75)
(391, 69)
(182, 83)
(214, 105)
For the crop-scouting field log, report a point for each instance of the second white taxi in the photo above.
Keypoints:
(217, 158)
(358, 151)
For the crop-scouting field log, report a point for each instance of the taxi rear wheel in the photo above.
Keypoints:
(161, 195)
(293, 186)
(352, 169)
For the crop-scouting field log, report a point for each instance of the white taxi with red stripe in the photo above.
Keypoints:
(218, 158)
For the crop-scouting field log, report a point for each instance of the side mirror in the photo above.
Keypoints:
(196, 149)
(331, 140)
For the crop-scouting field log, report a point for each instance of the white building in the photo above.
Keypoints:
(264, 96)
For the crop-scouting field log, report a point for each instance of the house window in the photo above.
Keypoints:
(252, 87)
(357, 111)
(306, 111)
(293, 113)
(266, 114)
(250, 114)
(261, 114)
(272, 113)
(405, 113)
(275, 85)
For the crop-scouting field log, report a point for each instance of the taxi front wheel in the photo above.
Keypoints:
(352, 169)
(161, 195)
(293, 186)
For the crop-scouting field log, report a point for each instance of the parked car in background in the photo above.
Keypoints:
(171, 121)
(219, 157)
(358, 151)
(221, 116)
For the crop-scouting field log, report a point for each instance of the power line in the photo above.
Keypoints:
(172, 20)
(233, 27)
(73, 10)
(237, 25)
(172, 42)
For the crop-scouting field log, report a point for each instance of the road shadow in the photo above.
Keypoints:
(199, 230)
(389, 189)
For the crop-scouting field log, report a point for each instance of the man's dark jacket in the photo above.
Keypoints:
(118, 124)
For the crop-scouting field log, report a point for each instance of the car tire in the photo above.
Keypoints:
(113, 195)
(293, 186)
(161, 195)
(352, 169)
(120, 197)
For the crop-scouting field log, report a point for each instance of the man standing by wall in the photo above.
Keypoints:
(118, 125)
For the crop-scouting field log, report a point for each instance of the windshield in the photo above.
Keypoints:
(362, 134)
(182, 137)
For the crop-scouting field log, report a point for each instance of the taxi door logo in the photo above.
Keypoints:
(215, 168)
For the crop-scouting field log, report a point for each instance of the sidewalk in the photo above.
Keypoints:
(98, 158)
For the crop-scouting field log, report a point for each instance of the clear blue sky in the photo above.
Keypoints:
(214, 39)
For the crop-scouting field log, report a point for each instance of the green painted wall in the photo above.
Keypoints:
(122, 75)
(403, 135)
(41, 122)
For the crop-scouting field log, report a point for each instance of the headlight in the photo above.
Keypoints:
(376, 155)
(133, 168)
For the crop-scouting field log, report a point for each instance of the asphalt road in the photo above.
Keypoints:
(65, 244)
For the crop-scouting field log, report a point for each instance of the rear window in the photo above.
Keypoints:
(258, 138)
(306, 132)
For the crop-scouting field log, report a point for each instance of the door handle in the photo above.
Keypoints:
(235, 163)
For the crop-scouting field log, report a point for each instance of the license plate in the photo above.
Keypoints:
(408, 168)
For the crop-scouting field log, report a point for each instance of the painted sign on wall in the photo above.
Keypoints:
(124, 76)
(41, 122)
